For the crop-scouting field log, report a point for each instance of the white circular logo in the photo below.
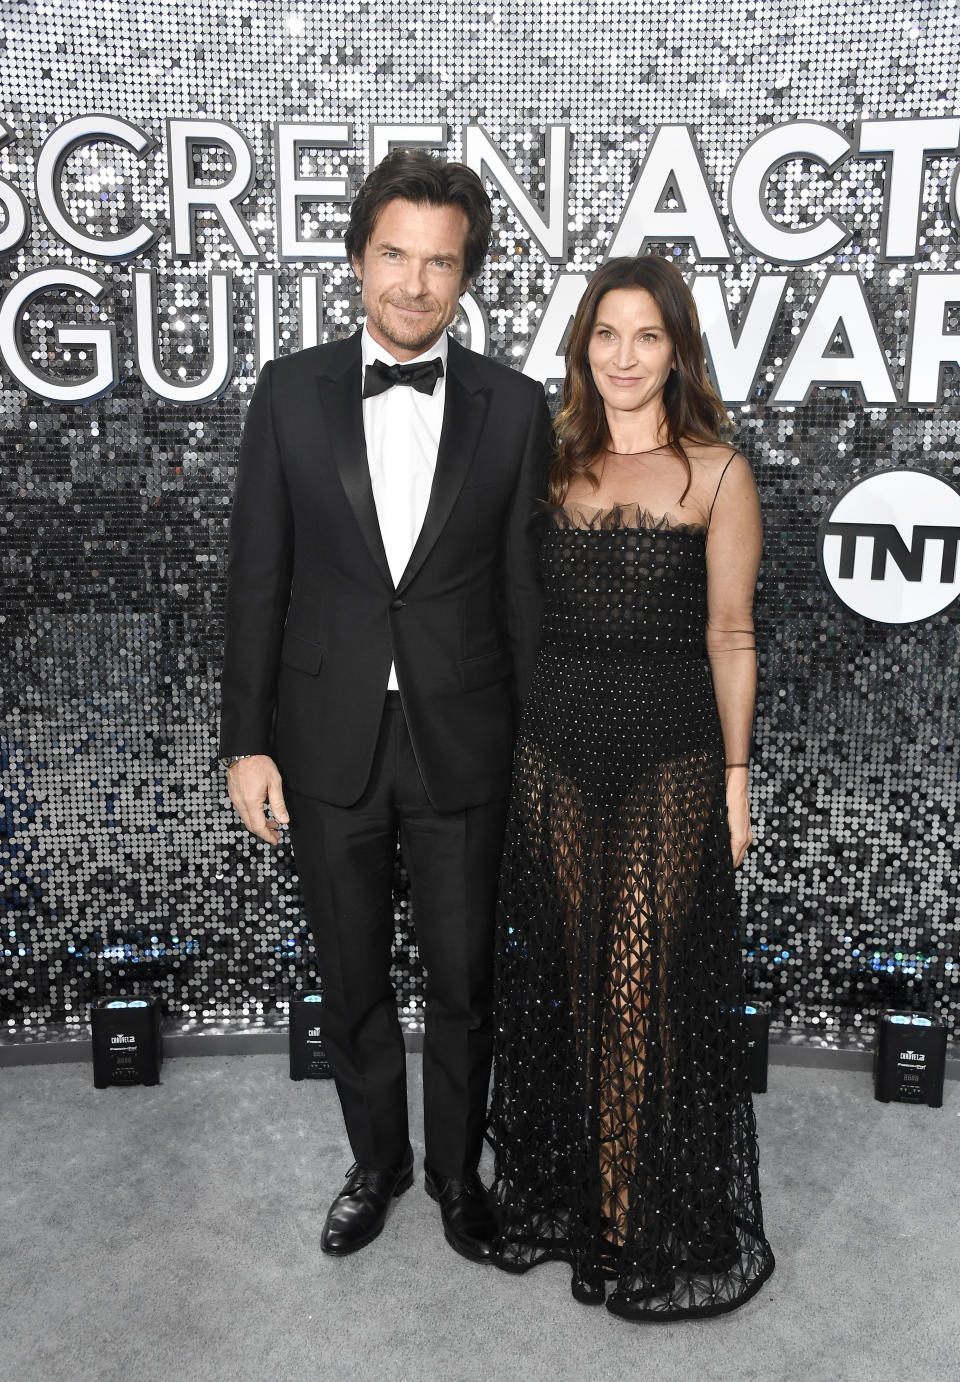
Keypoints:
(888, 548)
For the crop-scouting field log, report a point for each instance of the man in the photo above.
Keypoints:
(383, 612)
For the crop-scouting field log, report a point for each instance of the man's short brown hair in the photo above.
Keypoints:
(414, 176)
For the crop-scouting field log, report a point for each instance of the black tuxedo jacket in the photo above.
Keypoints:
(313, 618)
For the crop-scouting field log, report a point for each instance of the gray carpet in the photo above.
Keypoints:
(172, 1233)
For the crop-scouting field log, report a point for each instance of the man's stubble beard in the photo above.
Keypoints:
(417, 340)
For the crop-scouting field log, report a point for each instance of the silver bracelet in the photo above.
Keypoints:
(228, 760)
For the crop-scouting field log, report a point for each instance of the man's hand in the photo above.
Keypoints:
(250, 783)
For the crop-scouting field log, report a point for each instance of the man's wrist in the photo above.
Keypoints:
(227, 760)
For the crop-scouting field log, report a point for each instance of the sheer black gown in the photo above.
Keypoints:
(621, 1118)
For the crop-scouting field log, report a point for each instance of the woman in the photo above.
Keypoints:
(621, 1120)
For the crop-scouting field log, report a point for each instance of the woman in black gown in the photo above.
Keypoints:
(621, 1119)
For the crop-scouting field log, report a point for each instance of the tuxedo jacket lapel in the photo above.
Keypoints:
(340, 399)
(464, 411)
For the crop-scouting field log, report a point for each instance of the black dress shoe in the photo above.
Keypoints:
(713, 1252)
(358, 1213)
(713, 1245)
(631, 1296)
(469, 1225)
(588, 1285)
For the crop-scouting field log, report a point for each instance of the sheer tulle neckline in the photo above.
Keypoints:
(621, 515)
(647, 451)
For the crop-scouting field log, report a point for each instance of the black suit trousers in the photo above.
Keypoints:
(345, 857)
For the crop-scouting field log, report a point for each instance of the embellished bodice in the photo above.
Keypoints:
(620, 583)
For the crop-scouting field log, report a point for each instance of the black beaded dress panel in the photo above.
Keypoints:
(621, 1116)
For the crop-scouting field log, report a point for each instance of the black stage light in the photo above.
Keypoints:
(910, 1059)
(126, 1040)
(308, 1060)
(756, 1019)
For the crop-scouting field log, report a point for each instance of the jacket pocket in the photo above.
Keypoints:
(301, 654)
(483, 671)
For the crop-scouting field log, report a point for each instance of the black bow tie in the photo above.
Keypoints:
(422, 376)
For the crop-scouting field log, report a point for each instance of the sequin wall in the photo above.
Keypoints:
(180, 229)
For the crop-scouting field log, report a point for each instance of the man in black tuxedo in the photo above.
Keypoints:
(382, 619)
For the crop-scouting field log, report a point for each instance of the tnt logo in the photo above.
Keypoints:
(889, 548)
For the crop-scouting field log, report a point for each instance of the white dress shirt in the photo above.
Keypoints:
(402, 431)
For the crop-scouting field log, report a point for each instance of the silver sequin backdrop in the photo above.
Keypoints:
(173, 186)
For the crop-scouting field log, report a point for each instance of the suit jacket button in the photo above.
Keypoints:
(397, 604)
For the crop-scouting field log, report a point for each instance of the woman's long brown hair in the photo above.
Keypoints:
(693, 410)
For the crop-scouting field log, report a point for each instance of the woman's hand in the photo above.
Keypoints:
(738, 814)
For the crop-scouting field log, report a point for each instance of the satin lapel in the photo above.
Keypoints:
(464, 411)
(339, 388)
